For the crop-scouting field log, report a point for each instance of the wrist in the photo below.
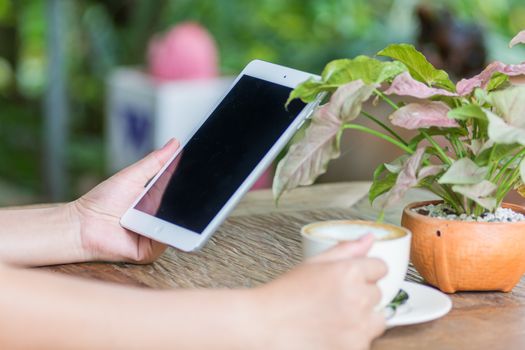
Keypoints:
(241, 319)
(77, 222)
(40, 235)
(254, 319)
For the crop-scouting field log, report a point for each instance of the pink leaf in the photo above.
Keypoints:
(405, 85)
(510, 104)
(508, 125)
(466, 86)
(429, 170)
(423, 115)
(345, 103)
(518, 39)
(406, 179)
(481, 193)
(309, 157)
(464, 171)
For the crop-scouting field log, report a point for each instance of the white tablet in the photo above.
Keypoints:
(194, 192)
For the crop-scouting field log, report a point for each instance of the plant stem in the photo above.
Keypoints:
(384, 126)
(453, 144)
(381, 216)
(338, 137)
(478, 210)
(455, 201)
(446, 197)
(438, 193)
(386, 99)
(475, 128)
(442, 155)
(466, 205)
(456, 145)
(460, 146)
(492, 165)
(506, 165)
(507, 185)
(380, 135)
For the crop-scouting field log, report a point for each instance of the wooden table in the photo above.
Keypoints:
(259, 242)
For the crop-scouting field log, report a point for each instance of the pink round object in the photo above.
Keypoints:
(187, 51)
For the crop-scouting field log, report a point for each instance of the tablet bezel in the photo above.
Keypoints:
(187, 240)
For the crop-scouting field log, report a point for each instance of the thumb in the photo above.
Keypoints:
(347, 250)
(149, 166)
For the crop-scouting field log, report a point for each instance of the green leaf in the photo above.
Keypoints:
(497, 80)
(378, 171)
(467, 112)
(369, 70)
(381, 184)
(471, 112)
(307, 90)
(499, 151)
(336, 71)
(343, 71)
(417, 65)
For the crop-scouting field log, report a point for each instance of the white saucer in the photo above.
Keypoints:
(424, 304)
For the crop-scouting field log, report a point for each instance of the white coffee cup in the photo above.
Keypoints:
(392, 245)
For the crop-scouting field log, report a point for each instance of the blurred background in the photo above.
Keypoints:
(59, 59)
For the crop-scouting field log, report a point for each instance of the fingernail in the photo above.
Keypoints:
(170, 141)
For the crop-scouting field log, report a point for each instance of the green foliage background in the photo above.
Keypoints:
(103, 34)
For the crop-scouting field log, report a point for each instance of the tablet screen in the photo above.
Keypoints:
(221, 154)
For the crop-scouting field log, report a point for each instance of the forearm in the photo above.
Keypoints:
(42, 235)
(39, 310)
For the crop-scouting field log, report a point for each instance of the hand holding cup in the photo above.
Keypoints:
(391, 244)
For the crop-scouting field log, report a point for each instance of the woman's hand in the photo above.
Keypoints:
(99, 212)
(326, 303)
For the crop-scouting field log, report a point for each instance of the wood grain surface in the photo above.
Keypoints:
(259, 242)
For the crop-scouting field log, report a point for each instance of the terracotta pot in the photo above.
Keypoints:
(466, 256)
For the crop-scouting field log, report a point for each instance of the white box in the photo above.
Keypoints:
(143, 114)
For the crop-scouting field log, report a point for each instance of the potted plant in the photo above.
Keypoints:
(469, 150)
